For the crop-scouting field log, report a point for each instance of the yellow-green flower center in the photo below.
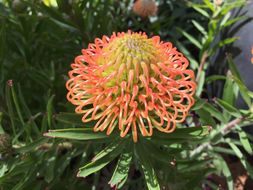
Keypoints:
(127, 53)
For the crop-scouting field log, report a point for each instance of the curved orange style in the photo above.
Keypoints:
(129, 82)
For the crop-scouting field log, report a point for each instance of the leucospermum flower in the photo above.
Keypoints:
(145, 8)
(130, 82)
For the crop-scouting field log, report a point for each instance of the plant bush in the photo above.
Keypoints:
(38, 42)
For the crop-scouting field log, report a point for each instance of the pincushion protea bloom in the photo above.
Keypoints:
(145, 8)
(131, 82)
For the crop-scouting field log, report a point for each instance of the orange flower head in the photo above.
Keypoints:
(130, 82)
(145, 8)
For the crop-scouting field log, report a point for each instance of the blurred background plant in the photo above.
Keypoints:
(39, 40)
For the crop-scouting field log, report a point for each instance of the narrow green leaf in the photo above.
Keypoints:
(17, 106)
(50, 111)
(225, 19)
(193, 165)
(120, 173)
(230, 6)
(229, 108)
(97, 165)
(201, 11)
(232, 21)
(201, 83)
(233, 68)
(70, 118)
(227, 41)
(223, 150)
(10, 107)
(230, 91)
(205, 117)
(199, 103)
(183, 133)
(245, 141)
(214, 111)
(214, 78)
(3, 169)
(107, 150)
(243, 91)
(28, 113)
(227, 174)
(193, 40)
(77, 134)
(199, 27)
(210, 5)
(242, 158)
(50, 171)
(32, 146)
(148, 169)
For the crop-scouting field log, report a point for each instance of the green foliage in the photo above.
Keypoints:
(37, 44)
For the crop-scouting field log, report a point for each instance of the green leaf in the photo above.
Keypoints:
(229, 108)
(199, 103)
(201, 83)
(199, 27)
(76, 134)
(242, 158)
(230, 91)
(245, 141)
(232, 21)
(97, 165)
(227, 173)
(229, 6)
(148, 169)
(10, 107)
(16, 103)
(213, 111)
(120, 173)
(210, 5)
(205, 117)
(225, 19)
(227, 41)
(246, 94)
(57, 18)
(32, 146)
(214, 78)
(193, 165)
(50, 172)
(157, 153)
(3, 169)
(70, 118)
(193, 40)
(189, 133)
(201, 11)
(107, 150)
(50, 111)
(233, 68)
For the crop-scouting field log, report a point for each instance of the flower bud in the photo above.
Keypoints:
(145, 8)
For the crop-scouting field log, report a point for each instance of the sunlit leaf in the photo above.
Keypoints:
(97, 165)
(76, 134)
(120, 173)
